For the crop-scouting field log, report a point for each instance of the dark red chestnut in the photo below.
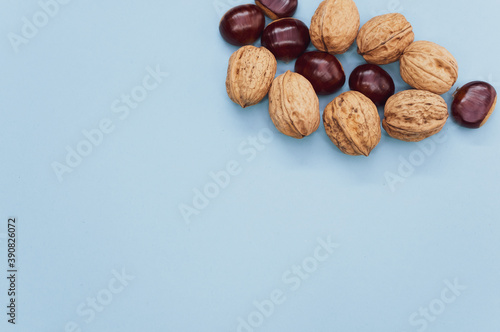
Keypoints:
(276, 9)
(373, 82)
(473, 104)
(286, 38)
(323, 70)
(242, 25)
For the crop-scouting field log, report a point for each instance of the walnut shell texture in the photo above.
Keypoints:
(414, 115)
(334, 26)
(250, 74)
(293, 105)
(428, 66)
(352, 122)
(384, 38)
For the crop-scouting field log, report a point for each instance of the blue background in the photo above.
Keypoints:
(119, 209)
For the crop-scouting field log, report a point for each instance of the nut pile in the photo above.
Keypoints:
(351, 120)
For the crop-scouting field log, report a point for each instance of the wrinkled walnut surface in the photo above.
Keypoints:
(414, 115)
(428, 66)
(384, 38)
(250, 74)
(293, 105)
(334, 26)
(352, 122)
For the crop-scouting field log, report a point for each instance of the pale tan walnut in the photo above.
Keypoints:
(428, 66)
(334, 26)
(293, 105)
(352, 122)
(383, 39)
(250, 74)
(414, 115)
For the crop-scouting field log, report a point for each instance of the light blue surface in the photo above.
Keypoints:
(118, 210)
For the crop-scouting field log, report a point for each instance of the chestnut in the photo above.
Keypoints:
(373, 82)
(276, 9)
(242, 25)
(323, 70)
(286, 38)
(473, 104)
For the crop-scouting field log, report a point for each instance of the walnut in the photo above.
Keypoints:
(383, 39)
(293, 105)
(250, 74)
(334, 26)
(428, 66)
(352, 122)
(414, 115)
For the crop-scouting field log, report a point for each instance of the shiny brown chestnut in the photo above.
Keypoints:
(276, 9)
(473, 104)
(373, 82)
(286, 38)
(323, 70)
(242, 25)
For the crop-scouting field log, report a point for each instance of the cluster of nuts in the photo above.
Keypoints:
(351, 120)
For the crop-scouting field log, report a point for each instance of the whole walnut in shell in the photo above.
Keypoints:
(334, 26)
(383, 39)
(414, 115)
(428, 66)
(352, 122)
(293, 105)
(250, 74)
